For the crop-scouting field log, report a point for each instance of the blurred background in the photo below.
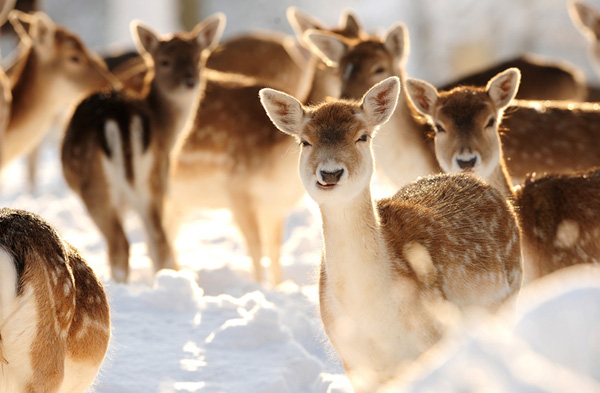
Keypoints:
(449, 38)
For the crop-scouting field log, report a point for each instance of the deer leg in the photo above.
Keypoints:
(109, 223)
(159, 246)
(272, 234)
(32, 165)
(244, 215)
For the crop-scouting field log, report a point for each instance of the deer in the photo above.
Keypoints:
(536, 141)
(117, 148)
(54, 314)
(389, 265)
(232, 157)
(324, 82)
(54, 70)
(557, 213)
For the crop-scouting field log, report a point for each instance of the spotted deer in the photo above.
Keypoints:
(54, 315)
(54, 71)
(234, 158)
(116, 150)
(388, 266)
(543, 136)
(557, 213)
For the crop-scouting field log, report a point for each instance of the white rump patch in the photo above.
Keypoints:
(420, 260)
(567, 234)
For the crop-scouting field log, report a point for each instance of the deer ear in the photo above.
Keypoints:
(209, 31)
(328, 46)
(350, 24)
(503, 87)
(286, 112)
(397, 42)
(42, 29)
(422, 95)
(586, 18)
(302, 22)
(21, 22)
(146, 40)
(380, 101)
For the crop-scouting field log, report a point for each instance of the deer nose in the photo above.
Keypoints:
(332, 177)
(466, 163)
(190, 81)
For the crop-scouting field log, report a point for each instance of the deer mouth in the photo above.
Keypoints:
(325, 186)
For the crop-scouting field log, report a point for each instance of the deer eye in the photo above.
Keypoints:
(379, 70)
(363, 138)
(165, 63)
(304, 143)
(439, 128)
(75, 59)
(491, 123)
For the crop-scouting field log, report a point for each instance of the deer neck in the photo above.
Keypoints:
(500, 179)
(172, 112)
(354, 256)
(403, 149)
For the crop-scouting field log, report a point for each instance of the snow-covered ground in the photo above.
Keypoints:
(210, 328)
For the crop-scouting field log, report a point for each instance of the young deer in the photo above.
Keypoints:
(117, 148)
(54, 315)
(233, 157)
(558, 214)
(387, 265)
(53, 71)
(325, 83)
(544, 136)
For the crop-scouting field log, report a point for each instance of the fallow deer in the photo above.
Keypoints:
(543, 136)
(116, 150)
(387, 265)
(233, 157)
(54, 315)
(54, 71)
(558, 214)
(325, 82)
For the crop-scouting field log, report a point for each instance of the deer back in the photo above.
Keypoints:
(55, 315)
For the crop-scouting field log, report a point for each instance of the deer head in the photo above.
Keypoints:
(336, 161)
(61, 56)
(466, 127)
(177, 59)
(361, 63)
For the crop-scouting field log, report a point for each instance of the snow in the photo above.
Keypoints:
(210, 328)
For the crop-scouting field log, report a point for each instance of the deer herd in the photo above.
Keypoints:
(498, 177)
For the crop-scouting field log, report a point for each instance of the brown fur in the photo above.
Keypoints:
(545, 203)
(543, 79)
(549, 136)
(425, 212)
(66, 293)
